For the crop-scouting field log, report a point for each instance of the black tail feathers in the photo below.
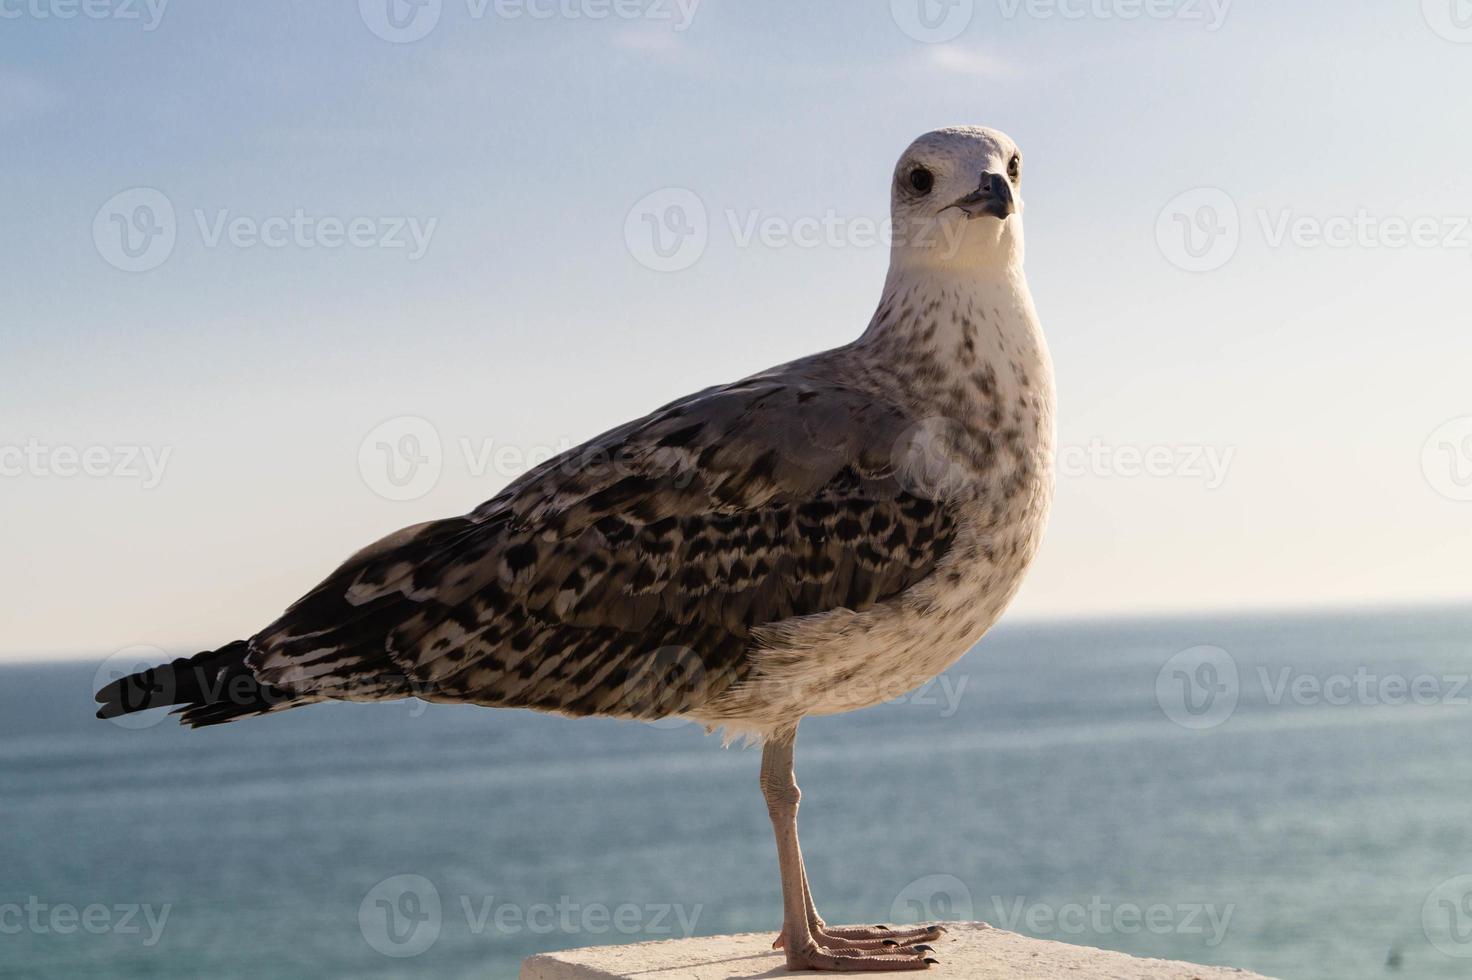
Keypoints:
(211, 687)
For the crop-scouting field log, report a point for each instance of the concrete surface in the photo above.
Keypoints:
(969, 950)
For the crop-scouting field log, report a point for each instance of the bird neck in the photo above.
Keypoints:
(955, 317)
(963, 347)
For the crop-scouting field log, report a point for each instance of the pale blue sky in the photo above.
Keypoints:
(1313, 375)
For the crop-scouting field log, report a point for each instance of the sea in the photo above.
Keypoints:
(1285, 793)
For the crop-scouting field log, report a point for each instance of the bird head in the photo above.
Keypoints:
(957, 200)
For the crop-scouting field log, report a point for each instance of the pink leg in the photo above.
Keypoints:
(811, 945)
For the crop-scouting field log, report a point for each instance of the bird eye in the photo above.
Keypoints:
(1014, 168)
(922, 180)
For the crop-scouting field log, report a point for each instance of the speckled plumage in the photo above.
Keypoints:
(822, 536)
(816, 538)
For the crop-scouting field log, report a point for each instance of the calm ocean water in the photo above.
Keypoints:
(1304, 816)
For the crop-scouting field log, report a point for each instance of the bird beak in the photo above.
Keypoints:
(993, 197)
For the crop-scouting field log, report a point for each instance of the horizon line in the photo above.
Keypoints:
(1366, 607)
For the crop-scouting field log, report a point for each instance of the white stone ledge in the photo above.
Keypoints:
(968, 950)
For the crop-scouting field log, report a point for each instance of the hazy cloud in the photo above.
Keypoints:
(957, 60)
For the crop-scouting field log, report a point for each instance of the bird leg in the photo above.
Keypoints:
(808, 942)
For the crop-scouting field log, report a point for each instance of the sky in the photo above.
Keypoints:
(278, 278)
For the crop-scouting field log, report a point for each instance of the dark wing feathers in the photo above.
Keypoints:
(626, 576)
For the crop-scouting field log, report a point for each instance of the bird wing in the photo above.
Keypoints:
(627, 576)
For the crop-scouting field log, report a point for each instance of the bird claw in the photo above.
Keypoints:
(860, 948)
(866, 937)
(815, 957)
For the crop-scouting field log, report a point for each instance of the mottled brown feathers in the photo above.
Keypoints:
(626, 577)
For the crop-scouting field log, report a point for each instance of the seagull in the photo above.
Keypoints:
(817, 538)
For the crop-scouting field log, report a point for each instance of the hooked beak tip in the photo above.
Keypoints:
(993, 198)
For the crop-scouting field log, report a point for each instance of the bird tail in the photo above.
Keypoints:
(211, 688)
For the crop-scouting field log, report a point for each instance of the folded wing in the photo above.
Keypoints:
(627, 576)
